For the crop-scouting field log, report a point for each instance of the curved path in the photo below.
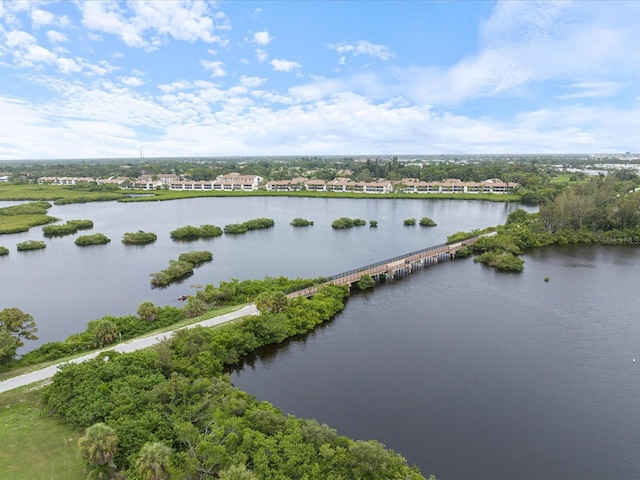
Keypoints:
(130, 346)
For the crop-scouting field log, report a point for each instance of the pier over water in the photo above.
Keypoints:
(393, 268)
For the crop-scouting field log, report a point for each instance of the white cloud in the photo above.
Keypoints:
(57, 37)
(362, 47)
(251, 82)
(132, 81)
(67, 65)
(149, 24)
(262, 38)
(280, 65)
(216, 68)
(591, 90)
(41, 17)
(262, 55)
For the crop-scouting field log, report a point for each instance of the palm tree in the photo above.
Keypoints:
(98, 446)
(147, 311)
(105, 332)
(153, 461)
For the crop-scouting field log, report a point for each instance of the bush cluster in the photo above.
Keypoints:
(95, 239)
(189, 232)
(427, 222)
(255, 224)
(180, 269)
(139, 238)
(30, 245)
(301, 222)
(345, 222)
(69, 228)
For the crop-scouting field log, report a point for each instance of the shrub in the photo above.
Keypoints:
(95, 239)
(410, 222)
(188, 232)
(30, 245)
(427, 222)
(59, 230)
(196, 258)
(345, 222)
(209, 231)
(301, 222)
(4, 251)
(235, 228)
(259, 223)
(139, 238)
(373, 223)
(366, 281)
(176, 270)
(505, 261)
(81, 224)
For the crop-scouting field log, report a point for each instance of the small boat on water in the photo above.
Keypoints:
(182, 298)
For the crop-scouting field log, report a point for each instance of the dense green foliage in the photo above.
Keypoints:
(139, 238)
(176, 394)
(255, 224)
(180, 269)
(235, 228)
(81, 224)
(196, 258)
(127, 327)
(94, 239)
(373, 223)
(189, 232)
(366, 281)
(71, 227)
(177, 270)
(345, 222)
(301, 222)
(30, 245)
(427, 222)
(3, 251)
(603, 210)
(59, 230)
(15, 325)
(409, 222)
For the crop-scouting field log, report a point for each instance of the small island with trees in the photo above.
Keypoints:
(180, 269)
(94, 239)
(30, 245)
(346, 222)
(190, 233)
(139, 238)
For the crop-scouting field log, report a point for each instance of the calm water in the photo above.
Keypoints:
(65, 286)
(473, 374)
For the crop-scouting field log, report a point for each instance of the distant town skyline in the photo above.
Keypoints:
(103, 79)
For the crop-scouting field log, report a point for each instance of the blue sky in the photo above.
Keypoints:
(194, 78)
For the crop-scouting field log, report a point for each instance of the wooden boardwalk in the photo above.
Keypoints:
(393, 267)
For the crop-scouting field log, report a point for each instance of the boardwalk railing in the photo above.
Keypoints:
(390, 265)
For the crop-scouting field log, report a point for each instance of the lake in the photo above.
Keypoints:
(65, 286)
(475, 374)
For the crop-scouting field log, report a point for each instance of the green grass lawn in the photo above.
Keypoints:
(35, 446)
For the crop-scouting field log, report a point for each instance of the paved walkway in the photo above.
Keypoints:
(130, 346)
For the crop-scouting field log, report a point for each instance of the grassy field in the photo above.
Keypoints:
(34, 445)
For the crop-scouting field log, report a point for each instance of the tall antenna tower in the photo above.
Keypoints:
(141, 153)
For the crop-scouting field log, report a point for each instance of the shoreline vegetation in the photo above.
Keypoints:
(602, 210)
(170, 393)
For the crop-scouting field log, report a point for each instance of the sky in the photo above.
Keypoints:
(107, 79)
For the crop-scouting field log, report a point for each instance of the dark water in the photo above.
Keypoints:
(65, 286)
(474, 374)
